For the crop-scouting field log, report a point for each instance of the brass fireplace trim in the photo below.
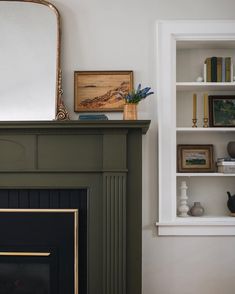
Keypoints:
(75, 213)
(25, 254)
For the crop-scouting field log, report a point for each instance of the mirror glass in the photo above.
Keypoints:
(28, 61)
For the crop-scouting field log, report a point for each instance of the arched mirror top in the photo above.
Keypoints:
(30, 66)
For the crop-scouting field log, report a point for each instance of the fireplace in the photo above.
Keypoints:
(92, 168)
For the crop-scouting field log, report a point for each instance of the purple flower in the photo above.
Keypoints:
(137, 95)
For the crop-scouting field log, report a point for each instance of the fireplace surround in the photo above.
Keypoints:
(104, 158)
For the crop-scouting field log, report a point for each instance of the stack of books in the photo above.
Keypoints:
(226, 165)
(218, 69)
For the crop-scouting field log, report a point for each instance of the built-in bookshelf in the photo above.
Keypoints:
(182, 49)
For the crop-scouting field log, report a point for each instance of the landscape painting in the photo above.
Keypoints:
(101, 90)
(195, 158)
(222, 111)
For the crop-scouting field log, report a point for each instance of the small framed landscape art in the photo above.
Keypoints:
(195, 158)
(222, 111)
(101, 90)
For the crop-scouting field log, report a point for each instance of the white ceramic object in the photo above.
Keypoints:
(199, 79)
(183, 206)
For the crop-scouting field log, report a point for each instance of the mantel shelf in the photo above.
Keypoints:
(76, 124)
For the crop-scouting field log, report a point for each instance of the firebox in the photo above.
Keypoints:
(43, 241)
(39, 252)
(25, 273)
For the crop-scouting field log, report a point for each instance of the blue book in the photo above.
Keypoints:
(223, 69)
(93, 117)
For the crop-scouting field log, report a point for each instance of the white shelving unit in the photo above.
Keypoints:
(182, 49)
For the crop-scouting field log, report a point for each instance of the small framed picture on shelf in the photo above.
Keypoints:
(101, 90)
(222, 111)
(195, 158)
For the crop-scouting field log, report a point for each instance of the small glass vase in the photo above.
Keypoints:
(130, 111)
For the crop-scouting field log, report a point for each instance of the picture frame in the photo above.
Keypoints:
(99, 91)
(195, 158)
(222, 111)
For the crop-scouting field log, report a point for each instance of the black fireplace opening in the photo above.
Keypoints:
(26, 275)
(38, 253)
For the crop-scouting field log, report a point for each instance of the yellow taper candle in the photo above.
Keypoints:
(205, 105)
(194, 106)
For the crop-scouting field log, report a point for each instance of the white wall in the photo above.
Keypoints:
(118, 35)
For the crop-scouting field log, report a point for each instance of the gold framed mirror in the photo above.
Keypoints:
(30, 61)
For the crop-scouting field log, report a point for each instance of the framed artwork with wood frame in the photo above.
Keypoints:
(222, 111)
(96, 91)
(195, 158)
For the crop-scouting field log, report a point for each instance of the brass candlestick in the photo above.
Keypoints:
(194, 120)
(205, 120)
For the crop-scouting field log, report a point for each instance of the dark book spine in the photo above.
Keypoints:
(214, 69)
(208, 69)
(219, 69)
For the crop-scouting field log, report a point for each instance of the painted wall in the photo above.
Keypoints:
(118, 35)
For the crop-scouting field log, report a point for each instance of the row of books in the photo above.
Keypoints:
(218, 69)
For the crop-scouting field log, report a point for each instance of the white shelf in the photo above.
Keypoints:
(188, 129)
(204, 86)
(198, 226)
(206, 219)
(204, 175)
(203, 220)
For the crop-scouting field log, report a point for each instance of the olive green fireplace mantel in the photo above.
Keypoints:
(106, 158)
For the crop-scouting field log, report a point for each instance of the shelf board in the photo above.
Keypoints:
(190, 129)
(206, 219)
(205, 86)
(204, 175)
(203, 220)
(198, 226)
